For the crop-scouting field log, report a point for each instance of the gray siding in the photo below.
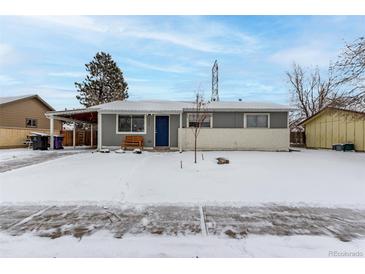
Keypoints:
(235, 119)
(220, 120)
(227, 119)
(278, 120)
(111, 138)
(174, 126)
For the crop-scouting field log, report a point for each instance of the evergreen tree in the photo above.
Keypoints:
(104, 82)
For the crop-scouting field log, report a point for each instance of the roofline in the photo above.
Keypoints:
(172, 111)
(69, 112)
(104, 111)
(326, 108)
(30, 97)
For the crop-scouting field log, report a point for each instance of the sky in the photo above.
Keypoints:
(169, 57)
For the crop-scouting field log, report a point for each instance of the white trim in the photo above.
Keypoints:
(154, 128)
(179, 132)
(100, 145)
(256, 113)
(211, 118)
(51, 127)
(131, 132)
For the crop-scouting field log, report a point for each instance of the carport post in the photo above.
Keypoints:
(74, 136)
(51, 128)
(99, 131)
(91, 135)
(180, 133)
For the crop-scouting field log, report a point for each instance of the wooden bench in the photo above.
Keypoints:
(132, 141)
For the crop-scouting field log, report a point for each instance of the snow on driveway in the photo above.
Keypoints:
(312, 177)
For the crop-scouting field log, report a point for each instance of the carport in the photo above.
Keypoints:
(75, 116)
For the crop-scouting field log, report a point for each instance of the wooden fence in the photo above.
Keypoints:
(297, 138)
(83, 137)
(12, 137)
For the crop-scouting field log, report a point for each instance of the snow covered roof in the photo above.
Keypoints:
(179, 106)
(5, 100)
(144, 106)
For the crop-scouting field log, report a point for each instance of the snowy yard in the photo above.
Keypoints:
(311, 177)
(262, 204)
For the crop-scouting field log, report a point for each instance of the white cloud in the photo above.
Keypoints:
(193, 33)
(70, 74)
(6, 80)
(78, 22)
(312, 55)
(173, 69)
(8, 55)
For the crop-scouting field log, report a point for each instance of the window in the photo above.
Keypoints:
(205, 119)
(256, 120)
(29, 122)
(131, 124)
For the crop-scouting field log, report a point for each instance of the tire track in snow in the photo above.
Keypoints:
(25, 220)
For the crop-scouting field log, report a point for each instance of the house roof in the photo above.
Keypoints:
(144, 106)
(11, 99)
(178, 106)
(311, 118)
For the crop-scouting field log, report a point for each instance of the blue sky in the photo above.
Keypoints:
(168, 57)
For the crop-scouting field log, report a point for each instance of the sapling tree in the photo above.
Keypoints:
(197, 119)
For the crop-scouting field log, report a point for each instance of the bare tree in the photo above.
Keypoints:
(343, 87)
(197, 119)
(350, 75)
(309, 93)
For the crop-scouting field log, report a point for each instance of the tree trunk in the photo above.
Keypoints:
(195, 141)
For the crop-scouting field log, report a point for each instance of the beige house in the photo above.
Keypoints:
(335, 126)
(21, 115)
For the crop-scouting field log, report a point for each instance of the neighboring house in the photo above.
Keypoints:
(228, 125)
(335, 126)
(21, 115)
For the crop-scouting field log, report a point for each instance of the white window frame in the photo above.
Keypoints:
(130, 132)
(256, 113)
(31, 119)
(190, 113)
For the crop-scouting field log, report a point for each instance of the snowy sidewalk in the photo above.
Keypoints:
(233, 222)
(171, 231)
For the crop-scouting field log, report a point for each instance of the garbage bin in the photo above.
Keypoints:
(39, 142)
(58, 142)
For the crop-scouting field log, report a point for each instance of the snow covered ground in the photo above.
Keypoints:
(102, 244)
(264, 180)
(326, 178)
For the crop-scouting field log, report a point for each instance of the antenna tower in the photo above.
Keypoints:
(215, 95)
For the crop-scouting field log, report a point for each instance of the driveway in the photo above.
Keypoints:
(16, 158)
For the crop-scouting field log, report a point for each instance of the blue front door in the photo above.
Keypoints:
(162, 131)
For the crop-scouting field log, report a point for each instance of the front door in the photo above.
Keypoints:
(162, 131)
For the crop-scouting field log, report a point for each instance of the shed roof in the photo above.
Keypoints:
(311, 118)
